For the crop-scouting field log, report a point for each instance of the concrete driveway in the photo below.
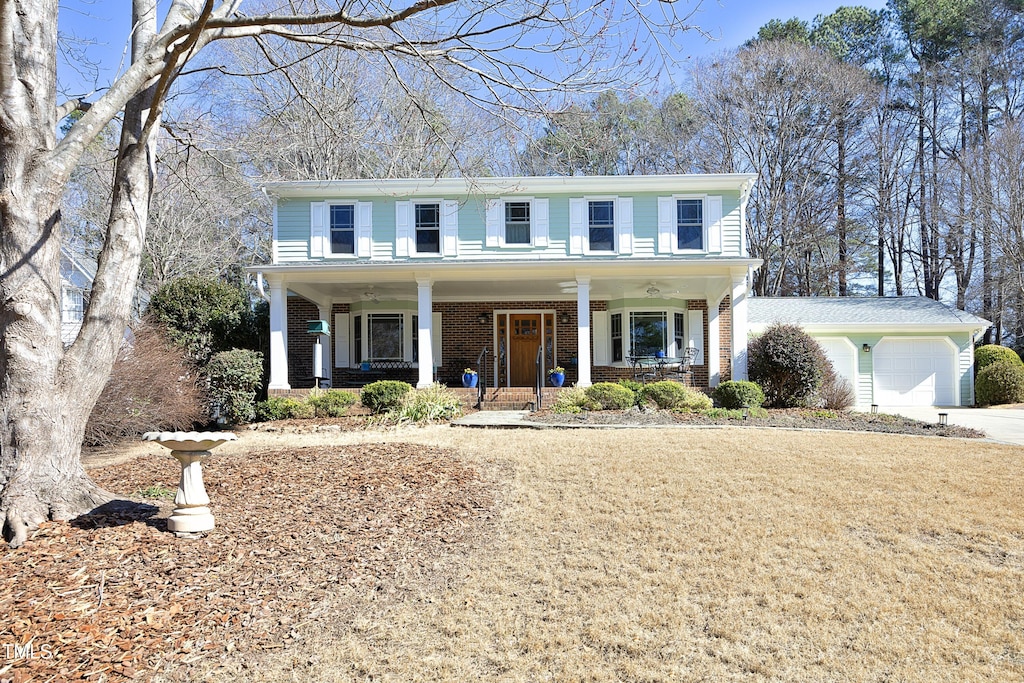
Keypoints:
(1005, 425)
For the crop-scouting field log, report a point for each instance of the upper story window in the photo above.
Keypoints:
(517, 222)
(343, 228)
(74, 305)
(601, 221)
(428, 228)
(690, 224)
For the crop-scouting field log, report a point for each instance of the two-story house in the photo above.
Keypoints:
(417, 277)
(421, 275)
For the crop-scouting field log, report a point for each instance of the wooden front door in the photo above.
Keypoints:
(524, 340)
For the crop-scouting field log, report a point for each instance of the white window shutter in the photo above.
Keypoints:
(317, 229)
(713, 207)
(624, 224)
(341, 349)
(577, 217)
(695, 334)
(435, 337)
(493, 223)
(602, 337)
(450, 227)
(666, 224)
(541, 224)
(403, 228)
(364, 229)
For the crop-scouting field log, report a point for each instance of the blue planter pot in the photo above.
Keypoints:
(557, 379)
(469, 381)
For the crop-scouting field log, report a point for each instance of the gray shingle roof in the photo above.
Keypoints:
(896, 311)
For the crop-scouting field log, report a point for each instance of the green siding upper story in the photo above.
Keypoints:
(293, 228)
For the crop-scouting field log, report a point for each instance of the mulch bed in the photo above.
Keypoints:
(791, 418)
(114, 596)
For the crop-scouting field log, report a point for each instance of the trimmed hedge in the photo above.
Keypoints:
(994, 353)
(611, 396)
(1001, 382)
(282, 408)
(734, 395)
(385, 395)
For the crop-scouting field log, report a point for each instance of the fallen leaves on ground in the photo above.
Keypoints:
(113, 595)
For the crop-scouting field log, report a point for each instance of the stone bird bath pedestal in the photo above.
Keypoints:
(192, 514)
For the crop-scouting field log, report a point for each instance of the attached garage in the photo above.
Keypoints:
(907, 351)
(915, 372)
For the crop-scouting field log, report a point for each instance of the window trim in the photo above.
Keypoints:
(627, 329)
(532, 225)
(414, 251)
(614, 251)
(703, 219)
(329, 251)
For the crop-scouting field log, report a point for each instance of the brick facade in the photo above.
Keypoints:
(463, 337)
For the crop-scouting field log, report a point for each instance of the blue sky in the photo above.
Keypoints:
(105, 25)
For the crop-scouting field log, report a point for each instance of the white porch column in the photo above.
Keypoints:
(324, 313)
(739, 327)
(278, 335)
(583, 330)
(714, 342)
(425, 311)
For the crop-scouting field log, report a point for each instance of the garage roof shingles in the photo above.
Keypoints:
(909, 311)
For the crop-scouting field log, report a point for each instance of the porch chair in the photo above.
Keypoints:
(683, 372)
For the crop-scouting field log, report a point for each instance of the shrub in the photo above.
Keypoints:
(734, 413)
(152, 386)
(282, 408)
(385, 395)
(836, 392)
(994, 353)
(611, 396)
(1001, 382)
(203, 315)
(636, 387)
(235, 376)
(733, 395)
(788, 365)
(573, 400)
(436, 402)
(674, 396)
(331, 403)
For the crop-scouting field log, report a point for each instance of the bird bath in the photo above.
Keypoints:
(191, 504)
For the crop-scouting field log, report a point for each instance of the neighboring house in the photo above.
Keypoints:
(908, 351)
(418, 276)
(76, 276)
(421, 275)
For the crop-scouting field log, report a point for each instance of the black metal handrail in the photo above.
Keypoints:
(540, 377)
(481, 371)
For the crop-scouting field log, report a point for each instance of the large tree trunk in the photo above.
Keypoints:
(46, 392)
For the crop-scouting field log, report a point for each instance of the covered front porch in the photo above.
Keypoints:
(428, 322)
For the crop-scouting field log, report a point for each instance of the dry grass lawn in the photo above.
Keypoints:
(717, 555)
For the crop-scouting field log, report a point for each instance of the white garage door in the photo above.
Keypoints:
(914, 372)
(843, 356)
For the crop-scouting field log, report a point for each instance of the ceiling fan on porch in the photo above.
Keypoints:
(653, 291)
(370, 295)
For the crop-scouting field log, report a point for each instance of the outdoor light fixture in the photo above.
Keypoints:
(943, 419)
(746, 411)
(866, 348)
(483, 318)
(563, 318)
(874, 408)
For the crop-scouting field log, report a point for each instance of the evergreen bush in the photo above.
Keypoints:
(611, 396)
(994, 353)
(674, 396)
(330, 403)
(999, 383)
(788, 365)
(385, 395)
(282, 408)
(235, 377)
(736, 394)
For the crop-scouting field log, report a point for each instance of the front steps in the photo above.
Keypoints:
(508, 398)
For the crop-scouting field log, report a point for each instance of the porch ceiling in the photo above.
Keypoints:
(508, 281)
